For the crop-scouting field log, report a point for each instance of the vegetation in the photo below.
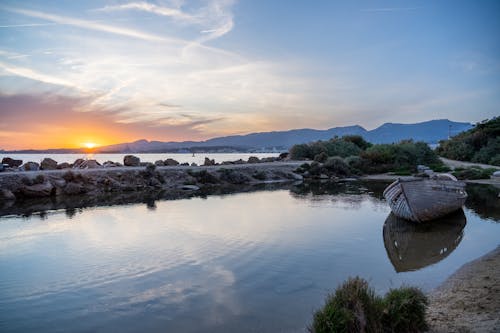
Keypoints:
(473, 173)
(360, 156)
(480, 144)
(354, 307)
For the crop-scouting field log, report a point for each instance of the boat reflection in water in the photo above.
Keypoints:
(412, 246)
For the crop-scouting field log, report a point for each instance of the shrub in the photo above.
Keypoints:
(353, 307)
(404, 310)
(321, 157)
(355, 163)
(473, 173)
(357, 140)
(336, 165)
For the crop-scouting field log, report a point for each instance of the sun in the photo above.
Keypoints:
(89, 145)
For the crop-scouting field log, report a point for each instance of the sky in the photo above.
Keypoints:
(104, 72)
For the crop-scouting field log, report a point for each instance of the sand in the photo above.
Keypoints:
(469, 300)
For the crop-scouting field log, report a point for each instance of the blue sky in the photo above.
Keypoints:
(178, 70)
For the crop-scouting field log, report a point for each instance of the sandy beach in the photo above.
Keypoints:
(469, 300)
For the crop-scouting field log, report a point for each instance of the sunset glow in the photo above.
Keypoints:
(89, 145)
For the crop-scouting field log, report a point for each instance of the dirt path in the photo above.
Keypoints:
(469, 301)
(460, 164)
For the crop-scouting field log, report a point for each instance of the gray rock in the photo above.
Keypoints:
(253, 159)
(92, 164)
(30, 166)
(12, 163)
(297, 176)
(37, 190)
(48, 164)
(78, 163)
(64, 165)
(171, 162)
(73, 188)
(194, 164)
(496, 174)
(6, 195)
(208, 162)
(159, 163)
(323, 176)
(190, 187)
(110, 164)
(131, 160)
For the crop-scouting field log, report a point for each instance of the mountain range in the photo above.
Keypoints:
(429, 131)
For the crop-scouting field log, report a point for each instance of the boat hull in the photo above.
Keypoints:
(424, 199)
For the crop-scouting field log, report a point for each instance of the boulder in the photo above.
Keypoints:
(131, 160)
(189, 187)
(64, 165)
(171, 162)
(92, 164)
(12, 163)
(48, 164)
(37, 190)
(184, 164)
(194, 164)
(6, 195)
(73, 188)
(110, 164)
(159, 163)
(496, 174)
(253, 159)
(78, 163)
(208, 162)
(30, 166)
(283, 156)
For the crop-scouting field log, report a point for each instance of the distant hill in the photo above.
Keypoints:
(430, 131)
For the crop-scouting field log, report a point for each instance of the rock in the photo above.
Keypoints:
(58, 182)
(283, 156)
(159, 163)
(73, 188)
(110, 164)
(496, 174)
(190, 187)
(37, 190)
(323, 176)
(92, 164)
(12, 163)
(48, 164)
(208, 162)
(268, 159)
(184, 164)
(78, 163)
(131, 160)
(253, 159)
(194, 164)
(240, 161)
(6, 195)
(171, 162)
(422, 168)
(297, 176)
(30, 166)
(64, 165)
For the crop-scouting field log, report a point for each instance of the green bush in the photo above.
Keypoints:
(404, 310)
(336, 165)
(358, 141)
(480, 144)
(321, 157)
(354, 307)
(473, 173)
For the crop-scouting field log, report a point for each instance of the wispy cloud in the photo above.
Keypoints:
(35, 75)
(216, 17)
(27, 25)
(86, 24)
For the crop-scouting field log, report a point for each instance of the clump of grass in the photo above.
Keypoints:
(404, 310)
(473, 173)
(354, 307)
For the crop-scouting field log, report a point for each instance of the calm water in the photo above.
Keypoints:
(249, 262)
(101, 158)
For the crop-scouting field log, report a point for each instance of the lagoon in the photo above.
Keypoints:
(260, 261)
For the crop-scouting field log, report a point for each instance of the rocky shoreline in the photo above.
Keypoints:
(18, 185)
(469, 300)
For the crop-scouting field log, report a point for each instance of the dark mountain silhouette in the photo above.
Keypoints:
(429, 131)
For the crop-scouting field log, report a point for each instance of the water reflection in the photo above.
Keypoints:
(412, 246)
(484, 200)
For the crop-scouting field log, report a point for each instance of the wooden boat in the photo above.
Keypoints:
(421, 199)
(412, 246)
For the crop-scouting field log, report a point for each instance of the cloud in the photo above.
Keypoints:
(35, 75)
(91, 25)
(216, 16)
